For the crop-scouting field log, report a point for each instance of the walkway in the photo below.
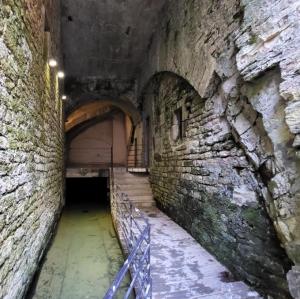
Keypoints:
(182, 269)
(84, 256)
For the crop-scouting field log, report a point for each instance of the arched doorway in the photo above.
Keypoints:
(98, 135)
(202, 178)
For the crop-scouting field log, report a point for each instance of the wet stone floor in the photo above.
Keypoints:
(83, 258)
(182, 269)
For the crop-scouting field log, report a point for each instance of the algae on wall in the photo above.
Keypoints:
(205, 182)
(31, 140)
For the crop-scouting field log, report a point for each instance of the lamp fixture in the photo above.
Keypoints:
(52, 62)
(64, 97)
(61, 74)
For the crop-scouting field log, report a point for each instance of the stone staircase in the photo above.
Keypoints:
(136, 186)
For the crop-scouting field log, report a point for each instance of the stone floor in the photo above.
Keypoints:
(182, 269)
(83, 257)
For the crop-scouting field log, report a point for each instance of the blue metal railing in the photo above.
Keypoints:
(134, 231)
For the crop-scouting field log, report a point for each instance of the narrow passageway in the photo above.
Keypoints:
(183, 269)
(191, 107)
(84, 255)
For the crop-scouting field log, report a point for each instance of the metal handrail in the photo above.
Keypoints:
(134, 230)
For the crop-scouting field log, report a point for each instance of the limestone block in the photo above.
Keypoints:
(292, 116)
(3, 143)
(296, 142)
(283, 231)
(279, 185)
(229, 87)
(250, 140)
(241, 124)
(293, 277)
(242, 196)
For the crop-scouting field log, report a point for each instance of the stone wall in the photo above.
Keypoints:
(242, 58)
(206, 183)
(31, 139)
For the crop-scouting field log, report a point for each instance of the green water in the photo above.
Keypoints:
(83, 258)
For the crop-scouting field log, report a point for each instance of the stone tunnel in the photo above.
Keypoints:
(196, 103)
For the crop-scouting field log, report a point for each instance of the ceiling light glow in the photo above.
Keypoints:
(61, 74)
(52, 62)
(64, 97)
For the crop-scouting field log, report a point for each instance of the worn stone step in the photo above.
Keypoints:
(137, 185)
(141, 198)
(132, 181)
(134, 187)
(133, 192)
(143, 204)
(141, 170)
(129, 175)
(132, 176)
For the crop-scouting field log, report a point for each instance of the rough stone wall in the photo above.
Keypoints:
(31, 139)
(245, 56)
(206, 183)
(269, 38)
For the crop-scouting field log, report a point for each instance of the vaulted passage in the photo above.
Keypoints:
(163, 133)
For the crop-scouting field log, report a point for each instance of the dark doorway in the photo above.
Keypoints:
(87, 191)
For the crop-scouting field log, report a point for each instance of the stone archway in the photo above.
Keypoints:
(98, 134)
(204, 180)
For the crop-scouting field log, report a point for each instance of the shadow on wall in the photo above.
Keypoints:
(202, 177)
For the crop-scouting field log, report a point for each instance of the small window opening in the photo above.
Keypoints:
(177, 125)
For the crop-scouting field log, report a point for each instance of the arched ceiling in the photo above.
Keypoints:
(95, 107)
(107, 38)
(87, 112)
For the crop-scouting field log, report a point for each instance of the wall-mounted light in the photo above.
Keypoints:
(64, 97)
(61, 74)
(52, 62)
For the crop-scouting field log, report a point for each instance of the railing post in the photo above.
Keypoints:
(149, 264)
(135, 228)
(131, 228)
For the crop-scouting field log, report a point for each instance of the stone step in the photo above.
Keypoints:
(141, 197)
(131, 175)
(141, 170)
(132, 179)
(132, 184)
(142, 204)
(133, 192)
(137, 187)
